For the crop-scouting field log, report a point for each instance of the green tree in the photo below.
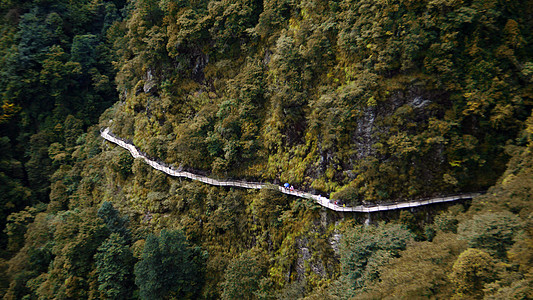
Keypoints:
(492, 231)
(447, 221)
(364, 249)
(17, 224)
(421, 271)
(77, 236)
(33, 259)
(39, 165)
(114, 266)
(243, 276)
(113, 221)
(124, 164)
(13, 194)
(169, 267)
(83, 50)
(231, 19)
(472, 269)
(267, 207)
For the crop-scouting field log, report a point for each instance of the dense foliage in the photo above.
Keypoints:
(368, 101)
(57, 78)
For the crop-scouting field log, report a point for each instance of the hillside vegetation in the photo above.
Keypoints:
(368, 101)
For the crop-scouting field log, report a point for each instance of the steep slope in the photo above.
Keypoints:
(370, 101)
(482, 253)
(57, 78)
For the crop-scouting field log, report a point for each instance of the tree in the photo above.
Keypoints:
(364, 249)
(447, 221)
(114, 266)
(242, 277)
(421, 271)
(472, 269)
(124, 164)
(13, 195)
(231, 19)
(169, 267)
(267, 207)
(492, 231)
(39, 165)
(17, 224)
(113, 221)
(77, 236)
(83, 50)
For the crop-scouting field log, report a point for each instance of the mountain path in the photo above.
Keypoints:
(323, 201)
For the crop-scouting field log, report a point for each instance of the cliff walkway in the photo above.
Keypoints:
(325, 202)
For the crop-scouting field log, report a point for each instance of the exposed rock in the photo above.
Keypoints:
(150, 84)
(367, 220)
(419, 102)
(364, 133)
(266, 59)
(324, 218)
(334, 241)
(305, 259)
(200, 61)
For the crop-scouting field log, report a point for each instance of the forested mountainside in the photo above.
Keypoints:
(367, 100)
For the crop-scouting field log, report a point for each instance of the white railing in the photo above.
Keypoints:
(323, 201)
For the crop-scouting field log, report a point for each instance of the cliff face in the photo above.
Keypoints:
(369, 101)
(376, 101)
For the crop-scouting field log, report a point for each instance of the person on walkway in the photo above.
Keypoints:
(292, 188)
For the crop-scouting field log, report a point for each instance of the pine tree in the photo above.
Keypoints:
(114, 265)
(169, 266)
(112, 219)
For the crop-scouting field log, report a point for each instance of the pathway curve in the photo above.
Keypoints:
(106, 134)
